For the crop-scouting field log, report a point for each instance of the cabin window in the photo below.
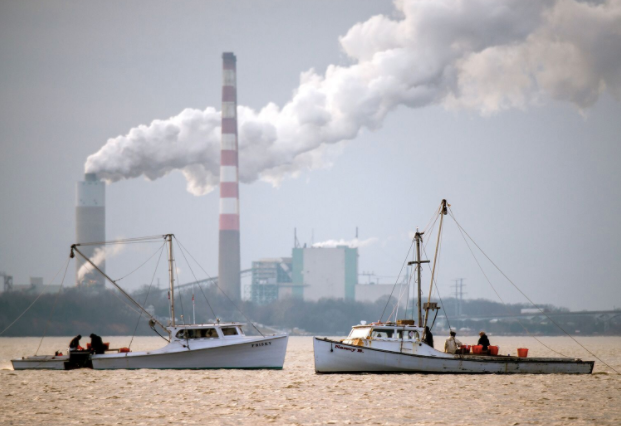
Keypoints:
(383, 334)
(360, 333)
(408, 335)
(209, 333)
(229, 331)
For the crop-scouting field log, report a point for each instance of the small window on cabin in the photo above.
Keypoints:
(181, 334)
(382, 334)
(211, 333)
(191, 334)
(229, 331)
(408, 334)
(360, 333)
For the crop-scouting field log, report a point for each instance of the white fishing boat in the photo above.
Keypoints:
(41, 362)
(204, 346)
(401, 346)
(70, 361)
(190, 346)
(364, 352)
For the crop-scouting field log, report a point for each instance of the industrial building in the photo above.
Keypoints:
(314, 273)
(90, 227)
(36, 286)
(326, 272)
(271, 280)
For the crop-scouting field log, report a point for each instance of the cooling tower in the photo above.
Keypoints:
(90, 226)
(229, 255)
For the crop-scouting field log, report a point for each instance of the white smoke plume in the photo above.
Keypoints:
(483, 55)
(349, 243)
(99, 255)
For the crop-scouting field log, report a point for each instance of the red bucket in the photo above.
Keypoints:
(465, 349)
(522, 352)
(477, 349)
(493, 350)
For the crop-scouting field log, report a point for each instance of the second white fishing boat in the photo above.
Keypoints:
(401, 347)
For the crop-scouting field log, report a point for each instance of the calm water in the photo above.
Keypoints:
(296, 395)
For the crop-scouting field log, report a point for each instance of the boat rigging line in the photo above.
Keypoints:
(195, 279)
(432, 223)
(34, 301)
(47, 324)
(523, 294)
(222, 291)
(74, 249)
(161, 250)
(144, 263)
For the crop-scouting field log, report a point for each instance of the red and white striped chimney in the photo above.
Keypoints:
(229, 251)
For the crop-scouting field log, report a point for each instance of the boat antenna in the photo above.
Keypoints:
(74, 249)
(171, 278)
(443, 212)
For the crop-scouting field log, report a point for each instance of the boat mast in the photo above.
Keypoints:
(418, 237)
(171, 278)
(443, 212)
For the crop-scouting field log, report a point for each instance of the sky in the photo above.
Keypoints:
(497, 109)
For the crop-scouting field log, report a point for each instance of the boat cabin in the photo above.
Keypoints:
(206, 331)
(384, 331)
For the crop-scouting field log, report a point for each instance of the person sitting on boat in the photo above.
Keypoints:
(483, 341)
(97, 345)
(74, 345)
(452, 344)
(428, 338)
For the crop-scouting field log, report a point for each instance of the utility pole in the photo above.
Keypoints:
(459, 296)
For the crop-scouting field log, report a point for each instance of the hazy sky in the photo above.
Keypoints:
(529, 165)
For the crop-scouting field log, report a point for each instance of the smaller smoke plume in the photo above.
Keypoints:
(355, 243)
(99, 255)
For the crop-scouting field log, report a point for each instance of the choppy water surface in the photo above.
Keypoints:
(296, 395)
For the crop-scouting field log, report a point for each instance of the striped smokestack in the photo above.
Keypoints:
(229, 256)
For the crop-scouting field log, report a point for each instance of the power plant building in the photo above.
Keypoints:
(271, 280)
(325, 272)
(90, 214)
(315, 273)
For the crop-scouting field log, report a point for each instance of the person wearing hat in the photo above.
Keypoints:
(452, 344)
(74, 345)
(97, 345)
(483, 341)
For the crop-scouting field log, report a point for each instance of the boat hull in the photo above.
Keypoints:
(44, 362)
(336, 357)
(265, 353)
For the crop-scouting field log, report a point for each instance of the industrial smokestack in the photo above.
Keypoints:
(229, 253)
(90, 226)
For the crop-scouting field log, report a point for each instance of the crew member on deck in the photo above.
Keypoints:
(428, 336)
(451, 344)
(74, 345)
(97, 345)
(483, 341)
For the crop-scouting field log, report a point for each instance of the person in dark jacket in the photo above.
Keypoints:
(483, 340)
(428, 336)
(74, 345)
(97, 345)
